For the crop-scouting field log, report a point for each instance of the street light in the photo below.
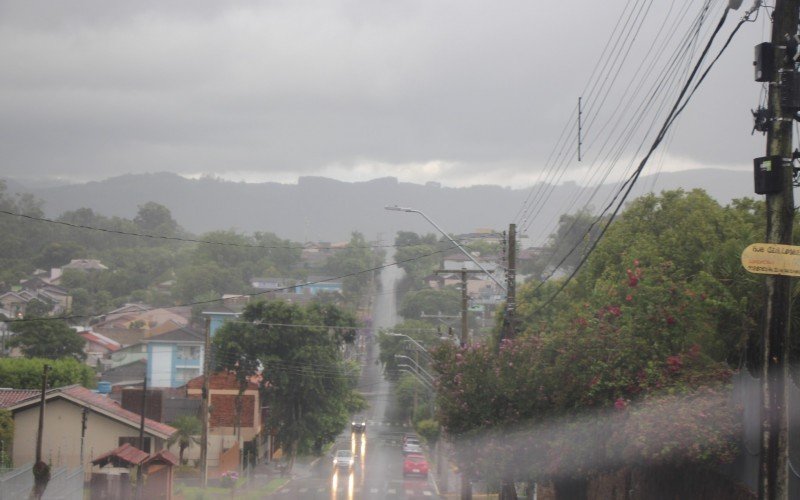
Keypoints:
(410, 369)
(395, 208)
(419, 368)
(409, 339)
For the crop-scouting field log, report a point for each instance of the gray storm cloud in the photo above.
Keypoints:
(94, 89)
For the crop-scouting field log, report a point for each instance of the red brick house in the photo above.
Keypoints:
(223, 390)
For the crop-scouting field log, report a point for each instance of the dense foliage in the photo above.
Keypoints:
(26, 373)
(296, 349)
(629, 364)
(148, 268)
(42, 338)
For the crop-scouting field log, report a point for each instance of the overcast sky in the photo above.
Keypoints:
(460, 92)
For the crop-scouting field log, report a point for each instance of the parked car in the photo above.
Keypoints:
(415, 464)
(358, 424)
(412, 449)
(344, 459)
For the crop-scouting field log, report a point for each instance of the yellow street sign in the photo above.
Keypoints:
(770, 258)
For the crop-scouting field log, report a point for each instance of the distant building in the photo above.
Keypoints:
(175, 357)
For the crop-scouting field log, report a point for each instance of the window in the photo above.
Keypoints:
(189, 352)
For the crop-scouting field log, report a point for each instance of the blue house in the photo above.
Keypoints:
(174, 357)
(219, 317)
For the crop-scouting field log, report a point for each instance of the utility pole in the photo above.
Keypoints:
(204, 405)
(774, 464)
(143, 409)
(508, 490)
(464, 339)
(41, 471)
(466, 484)
(509, 321)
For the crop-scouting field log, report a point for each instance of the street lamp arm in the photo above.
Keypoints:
(409, 369)
(395, 208)
(417, 365)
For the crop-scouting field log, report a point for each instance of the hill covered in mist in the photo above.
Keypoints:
(324, 209)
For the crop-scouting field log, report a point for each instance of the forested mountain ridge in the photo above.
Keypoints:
(320, 209)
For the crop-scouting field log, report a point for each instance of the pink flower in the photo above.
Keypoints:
(620, 404)
(629, 297)
(615, 311)
(670, 320)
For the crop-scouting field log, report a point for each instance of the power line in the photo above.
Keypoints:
(678, 107)
(189, 240)
(253, 294)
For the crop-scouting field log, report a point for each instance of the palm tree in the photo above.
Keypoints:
(188, 427)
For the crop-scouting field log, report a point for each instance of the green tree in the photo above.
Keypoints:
(574, 236)
(306, 384)
(189, 427)
(52, 339)
(154, 218)
(26, 373)
(418, 255)
(6, 437)
(446, 301)
(350, 262)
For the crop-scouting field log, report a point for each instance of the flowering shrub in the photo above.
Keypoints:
(228, 479)
(630, 376)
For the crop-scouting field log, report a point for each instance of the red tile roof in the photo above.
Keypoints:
(126, 453)
(111, 345)
(163, 456)
(104, 405)
(9, 397)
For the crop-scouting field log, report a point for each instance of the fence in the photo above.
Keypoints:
(17, 483)
(65, 484)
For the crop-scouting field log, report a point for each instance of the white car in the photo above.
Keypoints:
(412, 448)
(344, 459)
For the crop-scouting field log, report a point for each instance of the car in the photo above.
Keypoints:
(344, 459)
(415, 464)
(358, 424)
(412, 449)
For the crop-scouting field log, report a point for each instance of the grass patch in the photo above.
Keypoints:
(217, 493)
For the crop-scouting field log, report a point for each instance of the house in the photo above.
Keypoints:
(111, 478)
(79, 425)
(85, 265)
(131, 373)
(48, 292)
(140, 317)
(223, 390)
(14, 303)
(175, 357)
(127, 354)
(218, 316)
(289, 286)
(98, 348)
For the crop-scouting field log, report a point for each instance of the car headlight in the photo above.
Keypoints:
(352, 423)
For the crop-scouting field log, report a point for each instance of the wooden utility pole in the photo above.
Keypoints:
(204, 406)
(508, 490)
(774, 464)
(41, 471)
(143, 409)
(509, 320)
(464, 339)
(466, 484)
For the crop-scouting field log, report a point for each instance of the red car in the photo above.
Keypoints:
(415, 464)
